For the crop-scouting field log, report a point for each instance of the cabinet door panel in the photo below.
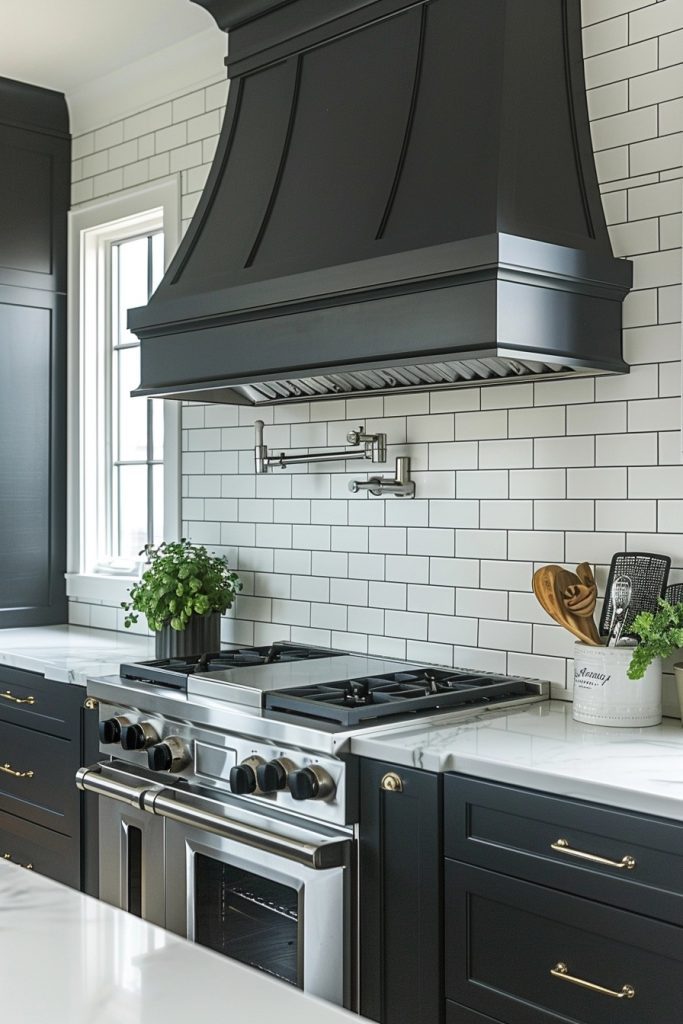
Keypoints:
(504, 938)
(400, 850)
(32, 513)
(48, 796)
(33, 201)
(49, 853)
(516, 831)
(42, 704)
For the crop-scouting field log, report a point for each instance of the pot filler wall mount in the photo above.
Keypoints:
(372, 447)
(403, 198)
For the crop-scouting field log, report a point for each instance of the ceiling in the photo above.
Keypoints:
(63, 44)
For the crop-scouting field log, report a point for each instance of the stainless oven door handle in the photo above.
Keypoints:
(331, 853)
(96, 779)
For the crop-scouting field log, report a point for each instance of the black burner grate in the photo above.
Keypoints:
(173, 672)
(351, 701)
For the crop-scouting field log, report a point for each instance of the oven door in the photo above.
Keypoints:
(276, 896)
(131, 843)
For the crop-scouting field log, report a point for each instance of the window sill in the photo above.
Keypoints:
(98, 588)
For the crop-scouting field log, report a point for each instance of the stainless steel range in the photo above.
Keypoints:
(228, 796)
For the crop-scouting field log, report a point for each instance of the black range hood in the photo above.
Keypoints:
(403, 197)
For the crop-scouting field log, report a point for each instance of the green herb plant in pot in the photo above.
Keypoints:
(661, 634)
(183, 592)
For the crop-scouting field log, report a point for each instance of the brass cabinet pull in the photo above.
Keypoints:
(17, 700)
(8, 856)
(392, 783)
(91, 704)
(9, 770)
(561, 971)
(562, 846)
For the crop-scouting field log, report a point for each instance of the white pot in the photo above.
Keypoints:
(603, 693)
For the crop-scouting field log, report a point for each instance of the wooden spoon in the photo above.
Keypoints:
(580, 599)
(549, 584)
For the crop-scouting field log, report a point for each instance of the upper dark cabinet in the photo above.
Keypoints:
(35, 153)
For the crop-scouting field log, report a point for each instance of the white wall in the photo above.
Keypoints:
(507, 477)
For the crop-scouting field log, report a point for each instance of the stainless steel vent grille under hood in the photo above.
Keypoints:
(403, 198)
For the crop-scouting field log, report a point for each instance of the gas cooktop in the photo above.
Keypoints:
(350, 702)
(334, 687)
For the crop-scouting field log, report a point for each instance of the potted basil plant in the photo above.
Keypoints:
(183, 592)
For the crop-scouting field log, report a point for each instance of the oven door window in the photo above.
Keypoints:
(248, 917)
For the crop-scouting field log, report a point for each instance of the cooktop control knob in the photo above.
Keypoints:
(243, 778)
(312, 783)
(272, 776)
(138, 737)
(110, 729)
(169, 756)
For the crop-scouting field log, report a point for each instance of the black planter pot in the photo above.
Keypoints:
(201, 636)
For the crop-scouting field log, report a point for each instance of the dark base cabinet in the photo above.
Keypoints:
(46, 733)
(513, 948)
(401, 961)
(559, 911)
(482, 903)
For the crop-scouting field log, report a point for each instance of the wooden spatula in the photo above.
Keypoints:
(549, 584)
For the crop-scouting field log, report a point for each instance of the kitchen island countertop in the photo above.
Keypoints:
(541, 747)
(71, 654)
(68, 959)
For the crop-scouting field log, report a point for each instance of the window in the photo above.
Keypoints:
(123, 488)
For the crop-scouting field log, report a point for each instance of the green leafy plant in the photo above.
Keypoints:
(182, 580)
(660, 633)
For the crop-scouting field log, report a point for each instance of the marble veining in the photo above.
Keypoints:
(68, 959)
(542, 747)
(71, 654)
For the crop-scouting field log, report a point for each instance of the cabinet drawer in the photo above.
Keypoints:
(504, 937)
(29, 699)
(536, 837)
(43, 788)
(48, 853)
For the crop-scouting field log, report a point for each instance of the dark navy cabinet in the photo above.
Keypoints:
(46, 733)
(558, 910)
(401, 894)
(34, 199)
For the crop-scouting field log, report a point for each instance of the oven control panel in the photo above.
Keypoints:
(296, 780)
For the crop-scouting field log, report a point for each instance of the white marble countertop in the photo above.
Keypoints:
(71, 654)
(542, 747)
(68, 959)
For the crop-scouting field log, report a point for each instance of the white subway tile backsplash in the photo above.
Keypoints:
(431, 599)
(564, 515)
(481, 484)
(564, 451)
(455, 513)
(596, 483)
(538, 483)
(517, 453)
(480, 426)
(596, 418)
(479, 604)
(506, 576)
(626, 515)
(655, 414)
(506, 515)
(546, 421)
(451, 629)
(412, 625)
(536, 545)
(507, 636)
(454, 572)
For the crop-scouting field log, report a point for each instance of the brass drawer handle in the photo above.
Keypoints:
(9, 770)
(8, 856)
(392, 783)
(561, 971)
(17, 700)
(562, 846)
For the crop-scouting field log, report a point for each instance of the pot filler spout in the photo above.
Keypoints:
(403, 197)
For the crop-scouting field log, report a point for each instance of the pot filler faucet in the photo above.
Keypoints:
(371, 447)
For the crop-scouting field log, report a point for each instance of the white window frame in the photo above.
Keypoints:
(138, 210)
